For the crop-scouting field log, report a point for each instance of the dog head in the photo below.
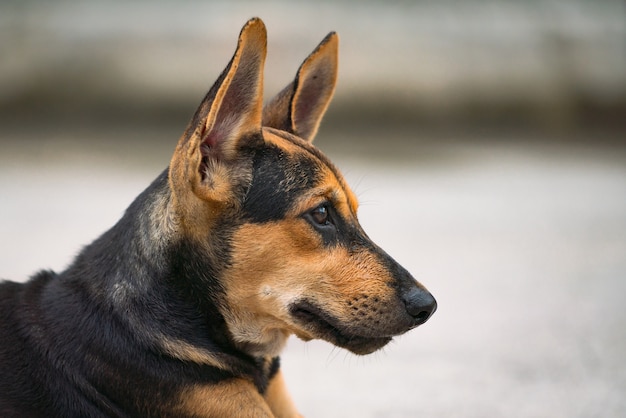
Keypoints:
(260, 200)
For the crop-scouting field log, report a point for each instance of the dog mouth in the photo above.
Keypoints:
(325, 326)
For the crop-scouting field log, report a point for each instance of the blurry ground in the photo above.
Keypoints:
(523, 244)
(484, 139)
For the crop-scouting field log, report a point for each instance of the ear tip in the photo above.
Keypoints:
(254, 28)
(331, 37)
(330, 44)
(254, 21)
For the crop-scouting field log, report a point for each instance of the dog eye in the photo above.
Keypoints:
(323, 219)
(319, 215)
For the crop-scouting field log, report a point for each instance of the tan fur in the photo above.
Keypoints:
(251, 235)
(232, 398)
(316, 84)
(233, 113)
(278, 399)
(334, 188)
(300, 106)
(277, 270)
(238, 398)
(187, 352)
(290, 262)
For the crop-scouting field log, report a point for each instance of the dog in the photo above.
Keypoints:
(182, 308)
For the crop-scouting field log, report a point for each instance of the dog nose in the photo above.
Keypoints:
(420, 304)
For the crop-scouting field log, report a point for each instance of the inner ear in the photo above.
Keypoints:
(237, 108)
(230, 113)
(315, 87)
(300, 106)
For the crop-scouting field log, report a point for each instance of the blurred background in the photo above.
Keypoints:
(485, 139)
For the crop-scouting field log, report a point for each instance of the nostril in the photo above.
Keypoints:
(422, 316)
(420, 304)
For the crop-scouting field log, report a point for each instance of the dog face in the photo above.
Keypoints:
(298, 262)
(302, 264)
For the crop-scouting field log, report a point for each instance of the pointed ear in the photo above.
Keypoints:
(230, 112)
(300, 106)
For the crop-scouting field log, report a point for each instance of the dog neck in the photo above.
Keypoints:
(163, 289)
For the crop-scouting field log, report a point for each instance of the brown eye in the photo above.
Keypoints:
(320, 215)
(322, 219)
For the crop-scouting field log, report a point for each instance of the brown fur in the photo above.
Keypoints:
(183, 307)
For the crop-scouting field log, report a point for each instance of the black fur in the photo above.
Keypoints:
(84, 343)
(136, 325)
(278, 178)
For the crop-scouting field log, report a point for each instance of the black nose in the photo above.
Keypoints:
(420, 304)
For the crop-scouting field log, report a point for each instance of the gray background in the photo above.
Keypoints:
(485, 140)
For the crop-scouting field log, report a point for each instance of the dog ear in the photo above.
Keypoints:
(230, 113)
(300, 106)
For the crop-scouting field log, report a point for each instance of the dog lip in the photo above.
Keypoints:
(327, 328)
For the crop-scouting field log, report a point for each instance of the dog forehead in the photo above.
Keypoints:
(289, 174)
(336, 187)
